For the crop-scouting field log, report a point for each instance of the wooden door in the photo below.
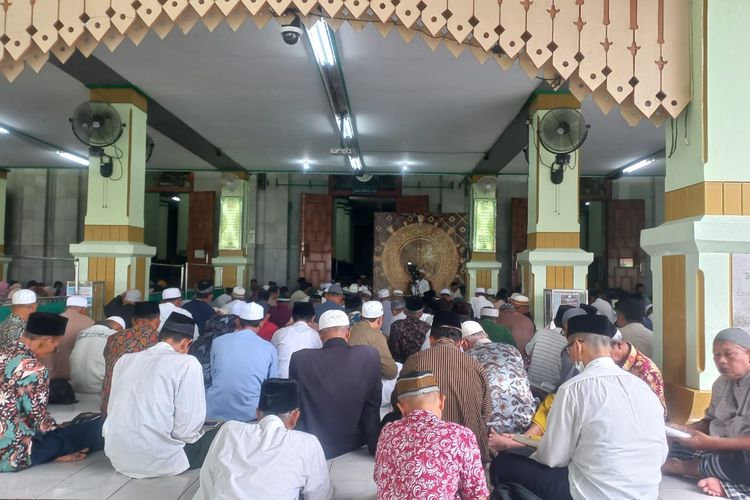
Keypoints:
(201, 236)
(419, 204)
(519, 222)
(316, 235)
(625, 220)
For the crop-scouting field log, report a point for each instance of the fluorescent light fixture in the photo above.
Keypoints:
(175, 198)
(588, 203)
(322, 44)
(74, 158)
(306, 165)
(355, 162)
(638, 165)
(404, 166)
(4, 131)
(346, 127)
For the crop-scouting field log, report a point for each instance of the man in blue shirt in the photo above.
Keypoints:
(200, 307)
(240, 362)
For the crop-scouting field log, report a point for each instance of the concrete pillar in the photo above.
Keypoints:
(701, 253)
(4, 259)
(234, 259)
(554, 258)
(112, 250)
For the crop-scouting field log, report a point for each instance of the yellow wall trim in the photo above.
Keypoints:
(560, 277)
(120, 96)
(554, 240)
(229, 276)
(674, 337)
(93, 232)
(231, 253)
(553, 101)
(483, 256)
(707, 198)
(685, 404)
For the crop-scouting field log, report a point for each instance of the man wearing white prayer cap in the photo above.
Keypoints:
(23, 303)
(422, 283)
(479, 301)
(171, 301)
(240, 362)
(76, 311)
(340, 389)
(173, 295)
(384, 296)
(87, 364)
(367, 332)
(521, 303)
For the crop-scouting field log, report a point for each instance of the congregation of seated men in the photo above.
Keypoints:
(258, 388)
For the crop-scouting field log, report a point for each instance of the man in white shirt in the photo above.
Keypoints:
(602, 306)
(87, 365)
(300, 335)
(630, 315)
(157, 407)
(422, 283)
(268, 459)
(479, 301)
(171, 301)
(605, 433)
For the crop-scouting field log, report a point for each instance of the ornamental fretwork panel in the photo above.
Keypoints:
(631, 53)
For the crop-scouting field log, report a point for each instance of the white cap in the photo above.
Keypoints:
(266, 287)
(520, 299)
(133, 295)
(491, 291)
(23, 297)
(117, 320)
(480, 290)
(398, 293)
(325, 286)
(76, 301)
(238, 291)
(171, 293)
(422, 271)
(251, 312)
(617, 337)
(353, 288)
(445, 291)
(514, 295)
(372, 309)
(363, 290)
(469, 328)
(490, 312)
(333, 318)
(384, 293)
(235, 307)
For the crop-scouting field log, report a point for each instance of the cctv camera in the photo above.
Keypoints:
(292, 31)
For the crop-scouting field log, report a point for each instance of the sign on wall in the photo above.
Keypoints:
(483, 239)
(230, 227)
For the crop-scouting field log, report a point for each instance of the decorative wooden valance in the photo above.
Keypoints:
(635, 53)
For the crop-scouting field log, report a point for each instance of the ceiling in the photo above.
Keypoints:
(263, 104)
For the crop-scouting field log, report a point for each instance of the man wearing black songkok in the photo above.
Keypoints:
(285, 463)
(29, 435)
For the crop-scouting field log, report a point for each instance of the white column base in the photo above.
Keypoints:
(538, 260)
(125, 255)
(474, 265)
(238, 261)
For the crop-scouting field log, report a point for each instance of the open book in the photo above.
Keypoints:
(519, 438)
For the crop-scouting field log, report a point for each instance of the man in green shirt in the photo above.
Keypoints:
(497, 333)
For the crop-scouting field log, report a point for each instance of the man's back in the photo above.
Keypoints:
(545, 349)
(157, 404)
(240, 362)
(421, 456)
(497, 333)
(363, 334)
(59, 362)
(607, 426)
(87, 364)
(640, 336)
(264, 459)
(463, 382)
(291, 339)
(201, 312)
(340, 390)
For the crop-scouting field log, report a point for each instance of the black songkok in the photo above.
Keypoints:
(144, 309)
(179, 324)
(278, 395)
(47, 324)
(599, 325)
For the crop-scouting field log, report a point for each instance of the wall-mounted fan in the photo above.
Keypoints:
(485, 187)
(97, 125)
(562, 131)
(230, 182)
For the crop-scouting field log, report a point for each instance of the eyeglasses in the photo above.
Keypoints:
(566, 349)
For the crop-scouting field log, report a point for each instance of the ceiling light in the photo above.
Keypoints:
(355, 162)
(347, 131)
(638, 165)
(322, 43)
(74, 158)
(404, 166)
(4, 131)
(175, 198)
(588, 203)
(306, 165)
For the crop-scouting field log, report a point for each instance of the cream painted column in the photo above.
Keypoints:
(4, 259)
(707, 213)
(113, 251)
(553, 258)
(483, 268)
(235, 262)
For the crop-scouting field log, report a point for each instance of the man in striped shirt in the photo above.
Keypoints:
(462, 380)
(545, 349)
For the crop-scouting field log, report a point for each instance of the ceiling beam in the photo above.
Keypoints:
(514, 138)
(92, 72)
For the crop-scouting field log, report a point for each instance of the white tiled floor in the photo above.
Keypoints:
(94, 478)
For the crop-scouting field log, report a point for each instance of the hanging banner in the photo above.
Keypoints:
(484, 225)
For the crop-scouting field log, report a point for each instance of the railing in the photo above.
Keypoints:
(183, 272)
(74, 260)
